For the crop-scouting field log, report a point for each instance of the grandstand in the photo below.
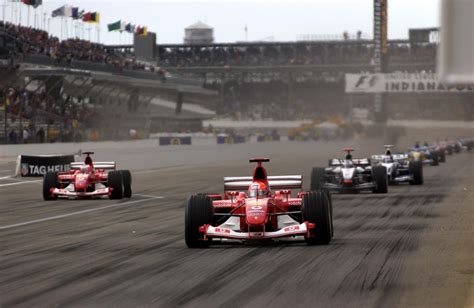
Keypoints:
(73, 90)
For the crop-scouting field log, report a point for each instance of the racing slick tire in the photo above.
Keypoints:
(457, 148)
(316, 209)
(50, 180)
(318, 177)
(115, 181)
(442, 156)
(379, 176)
(127, 183)
(434, 159)
(198, 212)
(449, 151)
(416, 169)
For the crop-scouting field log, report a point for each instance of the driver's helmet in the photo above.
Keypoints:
(348, 156)
(258, 189)
(86, 169)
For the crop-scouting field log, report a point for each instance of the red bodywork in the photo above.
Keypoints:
(83, 181)
(238, 216)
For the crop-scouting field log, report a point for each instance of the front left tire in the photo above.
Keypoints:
(380, 179)
(316, 209)
(50, 180)
(198, 212)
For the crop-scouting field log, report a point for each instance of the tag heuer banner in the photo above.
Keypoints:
(28, 165)
(400, 83)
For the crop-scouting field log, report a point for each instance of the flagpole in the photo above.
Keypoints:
(11, 12)
(39, 20)
(28, 17)
(66, 28)
(4, 6)
(35, 16)
(19, 7)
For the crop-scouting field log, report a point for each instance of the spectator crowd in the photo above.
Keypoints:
(28, 113)
(284, 54)
(35, 41)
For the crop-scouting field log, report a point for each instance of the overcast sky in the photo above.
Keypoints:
(279, 19)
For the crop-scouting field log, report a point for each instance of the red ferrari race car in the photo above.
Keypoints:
(249, 211)
(88, 180)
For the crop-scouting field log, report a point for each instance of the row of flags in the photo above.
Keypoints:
(75, 13)
(127, 27)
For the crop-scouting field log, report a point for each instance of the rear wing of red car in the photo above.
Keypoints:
(278, 182)
(109, 165)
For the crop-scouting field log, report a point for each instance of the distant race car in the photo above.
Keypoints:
(425, 154)
(350, 175)
(259, 208)
(399, 168)
(88, 180)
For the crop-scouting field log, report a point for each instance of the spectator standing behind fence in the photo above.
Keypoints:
(40, 135)
(26, 135)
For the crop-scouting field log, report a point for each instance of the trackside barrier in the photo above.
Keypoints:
(171, 140)
(38, 165)
(225, 139)
(299, 138)
(264, 138)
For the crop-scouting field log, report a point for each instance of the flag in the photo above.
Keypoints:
(91, 17)
(34, 3)
(141, 31)
(63, 11)
(76, 14)
(130, 28)
(115, 26)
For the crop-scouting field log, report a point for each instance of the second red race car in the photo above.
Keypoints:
(249, 211)
(88, 180)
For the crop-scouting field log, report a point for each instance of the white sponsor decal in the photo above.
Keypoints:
(35, 170)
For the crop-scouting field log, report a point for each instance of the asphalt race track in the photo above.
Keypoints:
(411, 247)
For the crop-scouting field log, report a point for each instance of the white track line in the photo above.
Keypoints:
(20, 183)
(26, 223)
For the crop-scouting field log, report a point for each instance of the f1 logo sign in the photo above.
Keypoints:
(366, 81)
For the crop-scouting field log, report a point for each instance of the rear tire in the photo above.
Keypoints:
(318, 178)
(434, 158)
(198, 212)
(379, 177)
(316, 208)
(50, 180)
(127, 183)
(442, 156)
(115, 181)
(457, 148)
(416, 169)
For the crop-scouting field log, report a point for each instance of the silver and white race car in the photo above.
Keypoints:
(350, 175)
(399, 168)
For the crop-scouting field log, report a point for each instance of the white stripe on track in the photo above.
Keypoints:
(26, 223)
(20, 183)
